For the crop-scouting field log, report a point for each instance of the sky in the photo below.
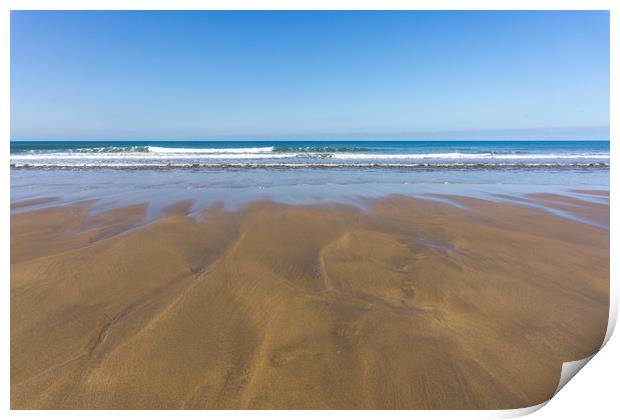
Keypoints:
(201, 75)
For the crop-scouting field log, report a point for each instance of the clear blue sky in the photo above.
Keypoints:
(309, 75)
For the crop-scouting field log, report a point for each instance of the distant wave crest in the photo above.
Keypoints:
(231, 150)
(267, 153)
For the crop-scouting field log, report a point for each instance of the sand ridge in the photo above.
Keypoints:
(411, 304)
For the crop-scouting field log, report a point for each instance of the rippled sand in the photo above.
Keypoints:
(411, 304)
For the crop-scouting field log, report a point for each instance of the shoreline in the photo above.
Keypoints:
(409, 304)
(571, 204)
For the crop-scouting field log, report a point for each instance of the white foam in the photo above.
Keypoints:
(455, 165)
(207, 151)
(263, 153)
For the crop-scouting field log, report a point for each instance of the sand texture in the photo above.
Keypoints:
(411, 304)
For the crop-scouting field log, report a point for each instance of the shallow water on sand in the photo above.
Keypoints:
(236, 187)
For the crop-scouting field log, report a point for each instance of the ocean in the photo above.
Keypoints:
(351, 172)
(311, 154)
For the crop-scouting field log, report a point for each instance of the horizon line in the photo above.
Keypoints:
(294, 140)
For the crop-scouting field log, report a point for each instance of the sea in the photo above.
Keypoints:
(352, 172)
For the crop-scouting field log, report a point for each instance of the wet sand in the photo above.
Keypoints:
(600, 193)
(412, 304)
(32, 202)
(593, 212)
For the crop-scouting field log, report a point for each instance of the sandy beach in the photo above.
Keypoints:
(411, 304)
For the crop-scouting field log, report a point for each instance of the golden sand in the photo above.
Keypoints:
(411, 304)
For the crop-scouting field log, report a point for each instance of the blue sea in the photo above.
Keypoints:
(313, 154)
(234, 172)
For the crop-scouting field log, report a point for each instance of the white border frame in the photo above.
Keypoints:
(600, 384)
